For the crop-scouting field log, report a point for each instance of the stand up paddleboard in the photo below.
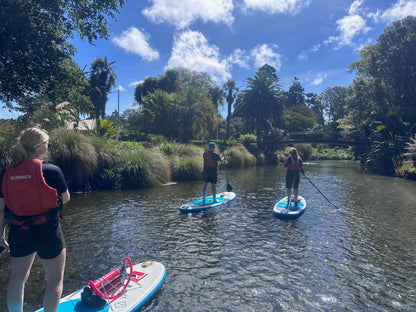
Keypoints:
(280, 208)
(122, 289)
(197, 205)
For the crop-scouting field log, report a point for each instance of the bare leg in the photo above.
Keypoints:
(204, 192)
(288, 191)
(19, 273)
(295, 194)
(214, 192)
(54, 271)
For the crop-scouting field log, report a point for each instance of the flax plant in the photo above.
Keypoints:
(73, 153)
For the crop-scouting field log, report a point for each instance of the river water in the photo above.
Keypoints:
(361, 257)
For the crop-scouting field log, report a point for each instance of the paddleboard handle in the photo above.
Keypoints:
(99, 285)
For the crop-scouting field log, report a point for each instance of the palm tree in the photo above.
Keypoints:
(217, 95)
(260, 101)
(231, 91)
(102, 78)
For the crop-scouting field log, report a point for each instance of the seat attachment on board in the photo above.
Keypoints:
(105, 288)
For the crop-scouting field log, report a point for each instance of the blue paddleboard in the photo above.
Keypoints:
(198, 205)
(280, 208)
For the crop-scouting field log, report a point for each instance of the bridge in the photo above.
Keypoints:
(331, 138)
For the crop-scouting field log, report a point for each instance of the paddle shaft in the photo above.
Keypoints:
(229, 187)
(321, 192)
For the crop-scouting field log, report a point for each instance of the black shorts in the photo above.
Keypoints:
(292, 179)
(210, 175)
(46, 239)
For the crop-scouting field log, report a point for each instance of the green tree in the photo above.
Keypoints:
(102, 78)
(34, 40)
(197, 113)
(261, 100)
(149, 85)
(71, 86)
(270, 71)
(391, 64)
(217, 96)
(313, 101)
(169, 82)
(162, 112)
(231, 93)
(334, 101)
(296, 94)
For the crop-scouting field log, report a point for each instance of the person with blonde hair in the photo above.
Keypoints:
(294, 167)
(31, 198)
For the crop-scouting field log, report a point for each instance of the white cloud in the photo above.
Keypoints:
(134, 41)
(319, 79)
(276, 6)
(191, 50)
(265, 54)
(181, 13)
(398, 11)
(120, 88)
(303, 56)
(349, 27)
(135, 83)
(240, 58)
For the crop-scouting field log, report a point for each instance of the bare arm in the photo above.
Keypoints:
(3, 243)
(65, 197)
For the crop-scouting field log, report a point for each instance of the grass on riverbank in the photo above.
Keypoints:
(96, 162)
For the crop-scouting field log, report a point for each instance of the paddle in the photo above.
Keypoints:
(321, 193)
(229, 187)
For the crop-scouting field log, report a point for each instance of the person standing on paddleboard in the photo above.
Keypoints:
(31, 198)
(294, 167)
(211, 159)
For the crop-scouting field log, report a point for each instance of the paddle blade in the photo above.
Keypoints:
(229, 187)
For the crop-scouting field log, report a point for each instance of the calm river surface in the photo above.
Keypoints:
(242, 258)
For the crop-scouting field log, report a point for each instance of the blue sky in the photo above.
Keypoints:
(314, 40)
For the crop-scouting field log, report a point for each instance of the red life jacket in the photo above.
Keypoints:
(208, 160)
(25, 190)
(295, 165)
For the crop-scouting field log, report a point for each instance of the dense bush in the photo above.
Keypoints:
(143, 168)
(239, 157)
(74, 154)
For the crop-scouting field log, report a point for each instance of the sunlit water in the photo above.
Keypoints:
(241, 257)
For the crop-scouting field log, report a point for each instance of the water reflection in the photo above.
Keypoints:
(242, 258)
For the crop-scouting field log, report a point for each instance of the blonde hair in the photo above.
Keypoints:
(293, 152)
(27, 143)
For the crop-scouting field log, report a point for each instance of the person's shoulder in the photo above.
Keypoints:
(48, 166)
(51, 168)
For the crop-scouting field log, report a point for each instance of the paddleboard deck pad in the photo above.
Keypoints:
(117, 291)
(198, 205)
(281, 210)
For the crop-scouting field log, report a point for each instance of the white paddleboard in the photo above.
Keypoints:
(139, 291)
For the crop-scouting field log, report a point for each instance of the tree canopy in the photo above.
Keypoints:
(34, 39)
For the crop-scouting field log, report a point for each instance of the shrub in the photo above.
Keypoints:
(238, 157)
(143, 168)
(72, 152)
(247, 139)
(190, 151)
(168, 148)
(187, 169)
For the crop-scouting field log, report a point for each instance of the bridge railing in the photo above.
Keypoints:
(314, 137)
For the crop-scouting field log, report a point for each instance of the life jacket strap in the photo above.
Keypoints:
(26, 223)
